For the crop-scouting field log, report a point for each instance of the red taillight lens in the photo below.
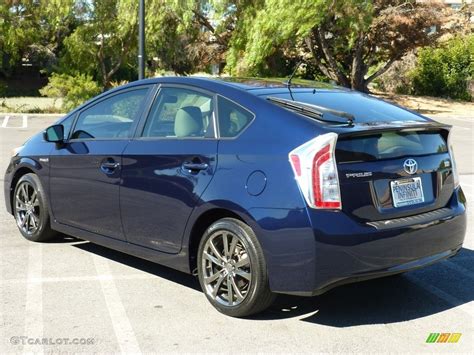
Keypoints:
(315, 171)
(325, 181)
(295, 162)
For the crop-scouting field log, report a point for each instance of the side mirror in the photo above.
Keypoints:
(54, 134)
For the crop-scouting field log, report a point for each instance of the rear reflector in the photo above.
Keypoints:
(315, 171)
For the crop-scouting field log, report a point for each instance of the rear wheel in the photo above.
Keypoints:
(30, 209)
(232, 269)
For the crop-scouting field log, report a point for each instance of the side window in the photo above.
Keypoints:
(180, 113)
(232, 117)
(112, 117)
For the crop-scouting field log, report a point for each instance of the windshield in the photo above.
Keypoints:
(363, 107)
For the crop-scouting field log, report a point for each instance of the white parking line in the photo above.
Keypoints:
(462, 119)
(34, 298)
(78, 279)
(460, 270)
(24, 122)
(5, 121)
(461, 127)
(123, 329)
(446, 297)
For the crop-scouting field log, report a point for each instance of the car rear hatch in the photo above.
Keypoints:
(394, 170)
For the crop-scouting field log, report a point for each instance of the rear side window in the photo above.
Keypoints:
(180, 113)
(232, 117)
(389, 145)
(112, 117)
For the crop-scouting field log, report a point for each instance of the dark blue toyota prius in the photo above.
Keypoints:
(256, 186)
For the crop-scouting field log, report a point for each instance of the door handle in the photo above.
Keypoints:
(109, 166)
(195, 166)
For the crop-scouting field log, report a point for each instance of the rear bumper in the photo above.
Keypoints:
(344, 251)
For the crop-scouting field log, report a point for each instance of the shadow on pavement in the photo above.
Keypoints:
(143, 265)
(380, 301)
(386, 300)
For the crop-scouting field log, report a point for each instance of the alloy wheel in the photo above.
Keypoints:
(227, 268)
(27, 208)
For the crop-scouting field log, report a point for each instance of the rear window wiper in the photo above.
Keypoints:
(314, 111)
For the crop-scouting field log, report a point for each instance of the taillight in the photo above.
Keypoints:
(314, 165)
(453, 162)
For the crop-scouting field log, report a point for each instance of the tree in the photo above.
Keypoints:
(105, 40)
(33, 30)
(351, 42)
(186, 36)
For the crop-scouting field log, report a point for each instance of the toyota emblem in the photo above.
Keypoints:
(410, 166)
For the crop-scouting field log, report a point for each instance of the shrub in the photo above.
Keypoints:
(74, 90)
(445, 70)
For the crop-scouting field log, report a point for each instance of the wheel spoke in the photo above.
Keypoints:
(230, 292)
(28, 220)
(33, 197)
(214, 277)
(238, 294)
(242, 262)
(23, 220)
(35, 202)
(212, 259)
(24, 192)
(218, 285)
(34, 220)
(246, 275)
(233, 244)
(20, 206)
(226, 245)
(215, 251)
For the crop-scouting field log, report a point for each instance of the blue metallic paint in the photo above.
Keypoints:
(307, 251)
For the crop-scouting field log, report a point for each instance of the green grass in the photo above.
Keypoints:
(30, 105)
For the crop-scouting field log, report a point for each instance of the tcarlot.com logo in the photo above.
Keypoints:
(443, 337)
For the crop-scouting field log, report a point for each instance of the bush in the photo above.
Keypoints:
(445, 71)
(74, 90)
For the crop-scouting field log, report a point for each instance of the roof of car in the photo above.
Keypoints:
(256, 86)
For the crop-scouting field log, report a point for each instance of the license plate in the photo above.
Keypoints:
(407, 192)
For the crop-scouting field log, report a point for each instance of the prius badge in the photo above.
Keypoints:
(410, 166)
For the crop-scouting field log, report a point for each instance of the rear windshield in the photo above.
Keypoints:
(363, 107)
(388, 145)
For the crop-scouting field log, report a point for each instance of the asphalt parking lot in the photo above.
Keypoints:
(85, 298)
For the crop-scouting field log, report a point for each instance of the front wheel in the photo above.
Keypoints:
(232, 270)
(31, 210)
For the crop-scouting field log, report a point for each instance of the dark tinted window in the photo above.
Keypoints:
(363, 107)
(112, 117)
(232, 117)
(389, 145)
(180, 113)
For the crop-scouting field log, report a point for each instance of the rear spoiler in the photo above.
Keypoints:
(365, 128)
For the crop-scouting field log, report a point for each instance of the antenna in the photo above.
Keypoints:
(288, 82)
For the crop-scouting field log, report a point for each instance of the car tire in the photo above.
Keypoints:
(31, 211)
(229, 254)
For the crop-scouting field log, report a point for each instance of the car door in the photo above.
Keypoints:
(85, 170)
(167, 167)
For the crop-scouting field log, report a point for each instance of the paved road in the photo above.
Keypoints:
(107, 301)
